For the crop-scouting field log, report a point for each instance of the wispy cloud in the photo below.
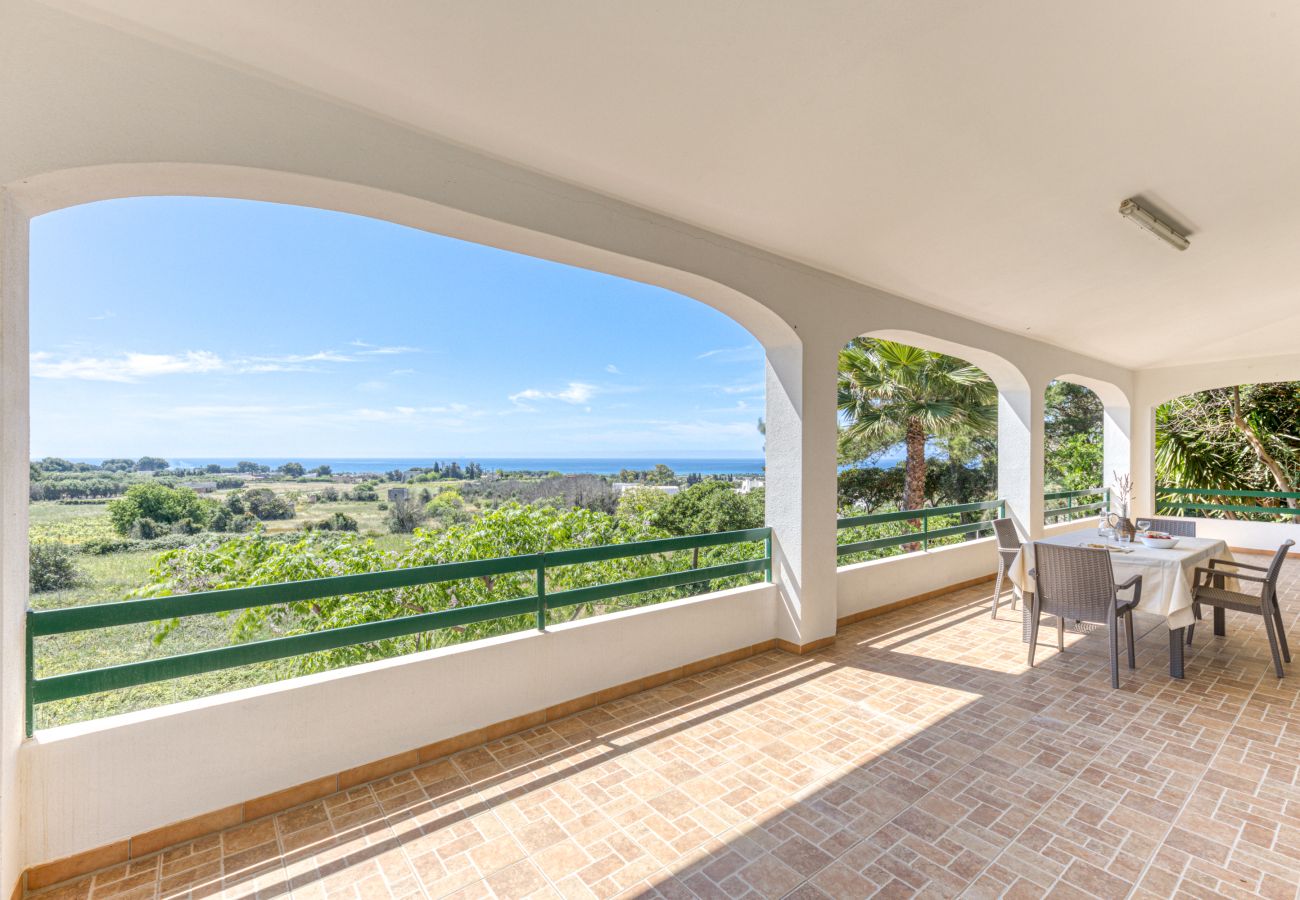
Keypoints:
(106, 314)
(368, 349)
(744, 353)
(127, 368)
(410, 413)
(612, 369)
(576, 393)
(131, 367)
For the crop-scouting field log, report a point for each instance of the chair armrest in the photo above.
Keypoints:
(1209, 573)
(1239, 565)
(1135, 580)
(1136, 584)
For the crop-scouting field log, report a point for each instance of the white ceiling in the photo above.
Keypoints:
(967, 155)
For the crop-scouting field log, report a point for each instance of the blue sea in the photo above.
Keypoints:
(568, 466)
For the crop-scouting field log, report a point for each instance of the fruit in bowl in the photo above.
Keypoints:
(1159, 540)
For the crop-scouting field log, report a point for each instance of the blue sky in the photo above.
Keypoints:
(181, 326)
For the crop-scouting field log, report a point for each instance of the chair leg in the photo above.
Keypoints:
(1060, 634)
(1033, 631)
(997, 590)
(1112, 632)
(1191, 629)
(1272, 640)
(1220, 626)
(1281, 632)
(1128, 634)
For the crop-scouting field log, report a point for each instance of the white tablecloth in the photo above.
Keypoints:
(1166, 574)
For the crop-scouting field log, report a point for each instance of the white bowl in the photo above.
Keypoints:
(1160, 543)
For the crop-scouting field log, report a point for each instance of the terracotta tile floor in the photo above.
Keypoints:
(918, 756)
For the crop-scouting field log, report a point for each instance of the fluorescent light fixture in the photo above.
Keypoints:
(1130, 210)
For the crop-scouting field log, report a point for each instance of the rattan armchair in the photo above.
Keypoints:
(1078, 583)
(1208, 590)
(1008, 549)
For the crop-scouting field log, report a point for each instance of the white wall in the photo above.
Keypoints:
(1262, 536)
(97, 782)
(879, 582)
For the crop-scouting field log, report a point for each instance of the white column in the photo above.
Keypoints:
(1020, 456)
(801, 486)
(1117, 450)
(13, 526)
(1142, 458)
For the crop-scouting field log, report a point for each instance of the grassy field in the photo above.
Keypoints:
(114, 576)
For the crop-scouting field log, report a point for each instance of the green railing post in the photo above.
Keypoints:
(925, 530)
(30, 714)
(767, 555)
(541, 595)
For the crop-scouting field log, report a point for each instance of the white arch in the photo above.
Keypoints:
(73, 187)
(1020, 423)
(1117, 430)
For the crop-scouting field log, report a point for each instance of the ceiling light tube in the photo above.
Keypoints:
(1130, 210)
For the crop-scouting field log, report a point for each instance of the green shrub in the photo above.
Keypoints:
(144, 529)
(51, 567)
(158, 503)
(337, 522)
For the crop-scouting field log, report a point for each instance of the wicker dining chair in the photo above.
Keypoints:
(1078, 583)
(1208, 590)
(1008, 549)
(1175, 527)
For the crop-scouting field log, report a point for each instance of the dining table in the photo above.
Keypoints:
(1167, 577)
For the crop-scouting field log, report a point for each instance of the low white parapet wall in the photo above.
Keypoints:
(877, 583)
(95, 783)
(1263, 537)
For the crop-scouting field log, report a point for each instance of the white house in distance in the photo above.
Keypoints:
(749, 484)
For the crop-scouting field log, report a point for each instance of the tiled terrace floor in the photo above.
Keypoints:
(918, 756)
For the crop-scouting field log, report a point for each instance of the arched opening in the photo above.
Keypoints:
(918, 449)
(1230, 453)
(363, 346)
(1074, 478)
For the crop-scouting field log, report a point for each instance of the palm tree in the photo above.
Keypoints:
(891, 393)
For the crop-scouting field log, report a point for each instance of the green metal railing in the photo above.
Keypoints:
(43, 623)
(926, 534)
(1071, 509)
(1194, 506)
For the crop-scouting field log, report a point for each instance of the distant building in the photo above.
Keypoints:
(622, 487)
(200, 487)
(395, 494)
(749, 484)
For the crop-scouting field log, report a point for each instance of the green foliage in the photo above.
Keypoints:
(1072, 439)
(884, 386)
(323, 470)
(151, 464)
(261, 503)
(293, 469)
(642, 504)
(1199, 445)
(51, 567)
(338, 521)
(864, 489)
(158, 503)
(511, 530)
(708, 507)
